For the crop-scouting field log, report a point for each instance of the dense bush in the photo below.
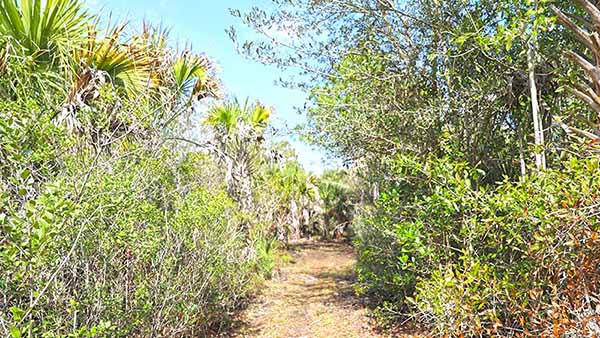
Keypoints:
(517, 258)
(109, 225)
(133, 257)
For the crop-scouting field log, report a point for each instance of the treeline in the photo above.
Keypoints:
(119, 217)
(472, 129)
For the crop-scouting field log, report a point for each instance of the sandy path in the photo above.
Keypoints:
(311, 297)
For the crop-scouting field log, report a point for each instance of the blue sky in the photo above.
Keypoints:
(202, 23)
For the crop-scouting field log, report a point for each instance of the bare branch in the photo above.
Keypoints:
(586, 98)
(587, 66)
(583, 35)
(592, 10)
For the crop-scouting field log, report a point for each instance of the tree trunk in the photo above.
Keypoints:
(295, 220)
(522, 154)
(540, 155)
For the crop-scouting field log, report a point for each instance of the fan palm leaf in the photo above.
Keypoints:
(225, 117)
(43, 28)
(260, 116)
(193, 77)
(152, 42)
(230, 116)
(127, 66)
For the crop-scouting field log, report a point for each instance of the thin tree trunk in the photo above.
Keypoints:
(522, 155)
(295, 223)
(540, 155)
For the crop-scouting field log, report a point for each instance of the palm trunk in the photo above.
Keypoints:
(295, 220)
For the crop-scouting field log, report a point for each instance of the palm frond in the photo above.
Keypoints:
(225, 117)
(233, 114)
(260, 116)
(43, 28)
(193, 77)
(126, 66)
(152, 42)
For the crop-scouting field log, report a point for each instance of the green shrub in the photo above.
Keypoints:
(135, 257)
(107, 227)
(394, 238)
(516, 258)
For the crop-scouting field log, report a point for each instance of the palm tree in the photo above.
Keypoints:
(299, 205)
(238, 133)
(142, 66)
(56, 49)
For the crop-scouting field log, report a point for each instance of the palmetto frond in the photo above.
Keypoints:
(193, 77)
(102, 60)
(233, 115)
(152, 42)
(225, 117)
(43, 28)
(127, 66)
(260, 116)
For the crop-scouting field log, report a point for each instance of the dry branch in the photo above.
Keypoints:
(590, 94)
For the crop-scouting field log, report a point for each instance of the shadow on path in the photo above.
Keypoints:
(311, 297)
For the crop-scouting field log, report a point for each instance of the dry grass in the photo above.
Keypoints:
(311, 297)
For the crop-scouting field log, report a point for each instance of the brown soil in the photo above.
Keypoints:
(311, 296)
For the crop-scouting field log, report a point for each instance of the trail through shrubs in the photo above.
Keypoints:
(312, 295)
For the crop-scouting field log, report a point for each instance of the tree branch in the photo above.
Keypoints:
(583, 35)
(591, 9)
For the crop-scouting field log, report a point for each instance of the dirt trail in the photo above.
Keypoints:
(310, 297)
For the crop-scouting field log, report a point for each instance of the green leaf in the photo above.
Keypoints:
(25, 174)
(509, 42)
(14, 332)
(17, 313)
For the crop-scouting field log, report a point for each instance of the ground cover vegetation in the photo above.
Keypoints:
(470, 132)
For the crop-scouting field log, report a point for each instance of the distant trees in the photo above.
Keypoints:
(340, 199)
